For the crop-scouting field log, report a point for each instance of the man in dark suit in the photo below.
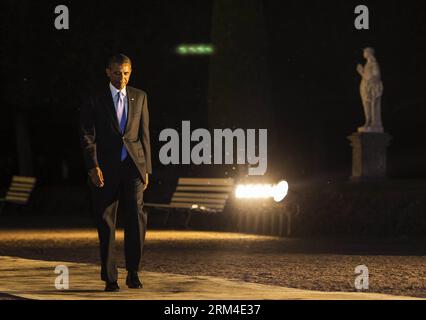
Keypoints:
(117, 152)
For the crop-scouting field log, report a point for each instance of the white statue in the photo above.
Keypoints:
(371, 90)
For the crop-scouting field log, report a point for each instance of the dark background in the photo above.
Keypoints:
(312, 52)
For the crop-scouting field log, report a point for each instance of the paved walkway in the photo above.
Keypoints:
(35, 279)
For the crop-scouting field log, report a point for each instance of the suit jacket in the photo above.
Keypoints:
(101, 138)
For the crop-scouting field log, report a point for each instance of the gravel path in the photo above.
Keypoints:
(395, 267)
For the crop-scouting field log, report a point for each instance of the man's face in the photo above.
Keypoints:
(119, 74)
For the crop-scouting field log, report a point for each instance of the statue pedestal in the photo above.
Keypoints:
(369, 155)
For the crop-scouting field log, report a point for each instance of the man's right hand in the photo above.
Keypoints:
(96, 177)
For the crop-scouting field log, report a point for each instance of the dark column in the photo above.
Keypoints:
(238, 75)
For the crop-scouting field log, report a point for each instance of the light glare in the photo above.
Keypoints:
(262, 191)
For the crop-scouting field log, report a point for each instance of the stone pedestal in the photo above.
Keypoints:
(369, 155)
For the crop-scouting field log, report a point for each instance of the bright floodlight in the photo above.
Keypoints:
(280, 190)
(259, 191)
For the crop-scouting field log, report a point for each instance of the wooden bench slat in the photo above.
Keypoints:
(198, 200)
(20, 189)
(190, 205)
(180, 205)
(196, 188)
(22, 185)
(17, 194)
(17, 201)
(206, 181)
(16, 198)
(202, 195)
(11, 197)
(159, 205)
(23, 179)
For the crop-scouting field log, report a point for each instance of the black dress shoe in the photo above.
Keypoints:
(112, 287)
(133, 281)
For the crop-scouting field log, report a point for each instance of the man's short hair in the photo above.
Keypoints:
(119, 59)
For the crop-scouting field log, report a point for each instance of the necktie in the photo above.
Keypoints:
(121, 117)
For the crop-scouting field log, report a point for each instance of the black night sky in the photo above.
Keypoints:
(312, 51)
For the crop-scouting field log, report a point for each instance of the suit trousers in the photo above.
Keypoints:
(123, 192)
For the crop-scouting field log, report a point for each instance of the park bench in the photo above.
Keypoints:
(19, 191)
(197, 195)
